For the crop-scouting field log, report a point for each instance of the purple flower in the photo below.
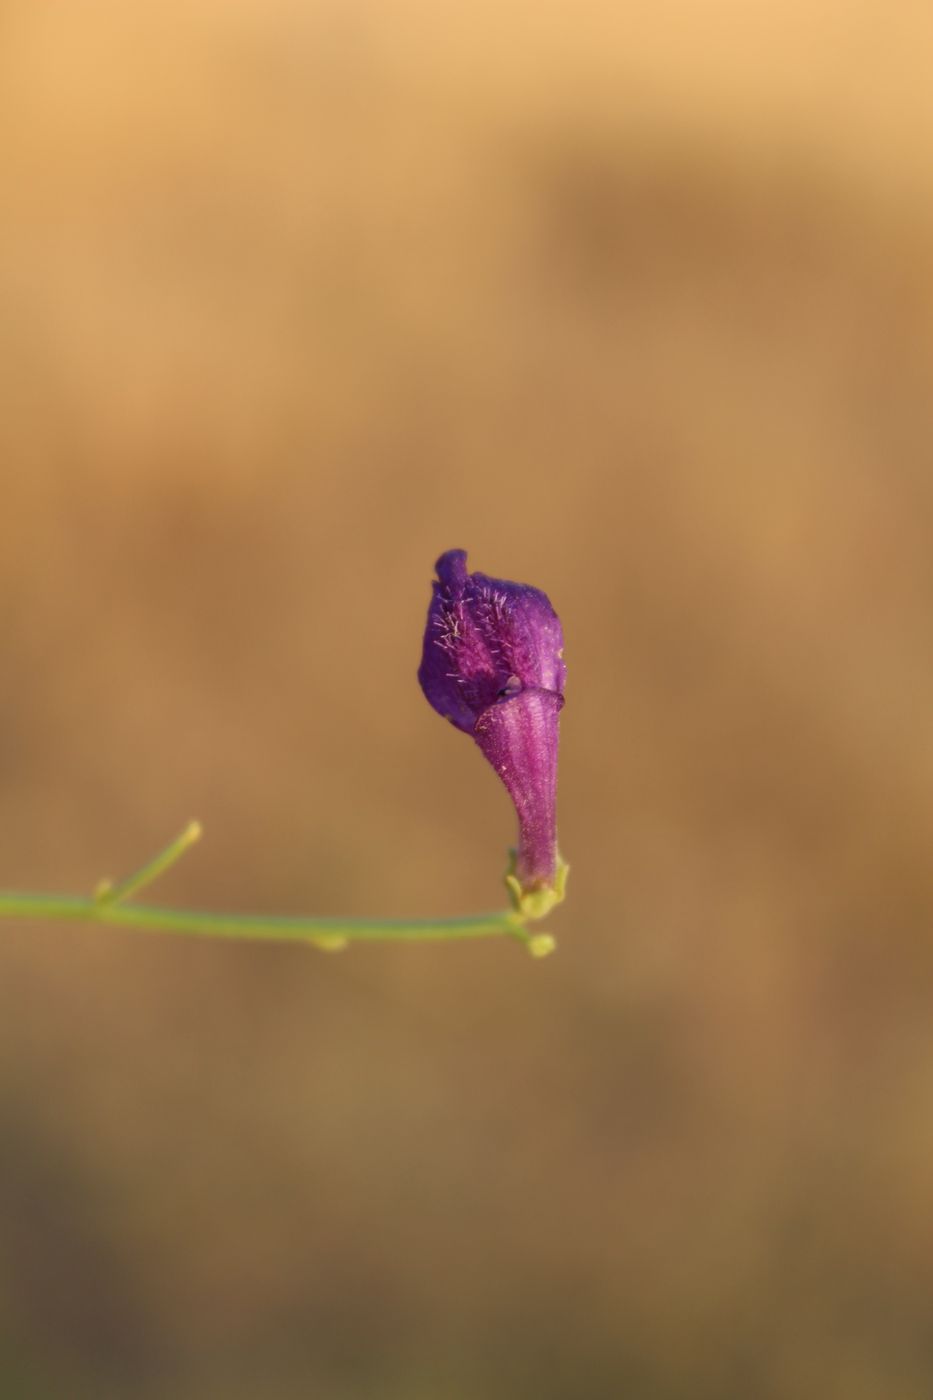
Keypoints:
(493, 666)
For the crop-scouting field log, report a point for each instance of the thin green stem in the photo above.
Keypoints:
(258, 926)
(109, 894)
(110, 904)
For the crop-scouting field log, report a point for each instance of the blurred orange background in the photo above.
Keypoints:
(635, 303)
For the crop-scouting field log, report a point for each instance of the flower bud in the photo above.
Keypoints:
(493, 666)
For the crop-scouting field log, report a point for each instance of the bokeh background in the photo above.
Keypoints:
(635, 302)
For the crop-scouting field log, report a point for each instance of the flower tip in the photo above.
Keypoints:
(451, 568)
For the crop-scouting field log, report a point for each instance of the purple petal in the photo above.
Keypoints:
(450, 645)
(485, 637)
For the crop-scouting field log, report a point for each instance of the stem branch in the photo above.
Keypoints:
(111, 904)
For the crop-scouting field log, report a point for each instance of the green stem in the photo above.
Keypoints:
(110, 905)
(267, 927)
(107, 893)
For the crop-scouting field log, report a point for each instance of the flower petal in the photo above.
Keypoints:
(484, 634)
